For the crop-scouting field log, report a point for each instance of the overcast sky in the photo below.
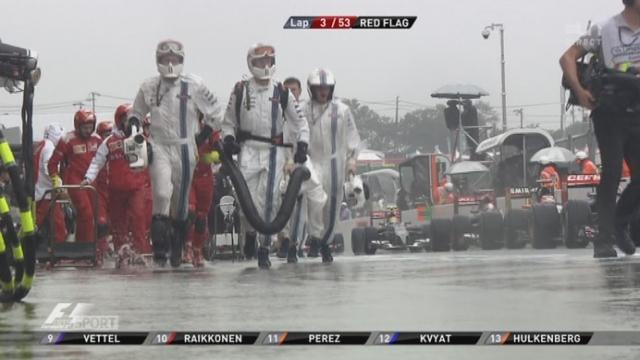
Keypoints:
(108, 46)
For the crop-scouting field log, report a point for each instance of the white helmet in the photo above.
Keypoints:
(170, 47)
(258, 51)
(448, 187)
(581, 155)
(53, 132)
(354, 192)
(544, 160)
(321, 77)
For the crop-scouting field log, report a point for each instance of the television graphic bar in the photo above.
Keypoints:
(350, 22)
(329, 338)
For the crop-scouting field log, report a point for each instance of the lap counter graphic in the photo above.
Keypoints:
(350, 22)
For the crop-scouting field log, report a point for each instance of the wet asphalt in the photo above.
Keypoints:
(477, 290)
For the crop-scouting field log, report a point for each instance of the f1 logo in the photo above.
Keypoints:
(66, 312)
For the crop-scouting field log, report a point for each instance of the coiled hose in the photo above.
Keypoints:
(298, 176)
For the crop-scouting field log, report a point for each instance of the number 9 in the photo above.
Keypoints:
(50, 338)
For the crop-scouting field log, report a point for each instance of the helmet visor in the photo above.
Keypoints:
(265, 50)
(263, 56)
(170, 49)
(168, 46)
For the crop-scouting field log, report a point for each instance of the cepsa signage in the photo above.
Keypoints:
(583, 180)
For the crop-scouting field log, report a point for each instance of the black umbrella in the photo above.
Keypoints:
(459, 91)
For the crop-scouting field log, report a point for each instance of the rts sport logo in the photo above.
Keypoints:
(70, 316)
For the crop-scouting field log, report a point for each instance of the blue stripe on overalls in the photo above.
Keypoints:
(184, 152)
(273, 152)
(334, 175)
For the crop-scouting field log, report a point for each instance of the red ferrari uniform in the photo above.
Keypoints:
(77, 153)
(126, 191)
(102, 186)
(201, 194)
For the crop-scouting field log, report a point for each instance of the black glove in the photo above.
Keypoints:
(301, 153)
(203, 135)
(230, 146)
(149, 153)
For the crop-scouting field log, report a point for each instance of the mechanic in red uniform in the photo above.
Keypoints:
(76, 149)
(201, 198)
(103, 130)
(126, 192)
(549, 175)
(587, 167)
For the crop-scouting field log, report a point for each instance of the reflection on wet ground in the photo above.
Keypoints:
(476, 290)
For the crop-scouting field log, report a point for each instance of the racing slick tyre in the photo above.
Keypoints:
(516, 221)
(421, 232)
(338, 243)
(426, 231)
(441, 231)
(491, 231)
(412, 237)
(370, 235)
(576, 215)
(461, 226)
(544, 226)
(357, 241)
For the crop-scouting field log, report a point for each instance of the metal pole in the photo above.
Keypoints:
(521, 113)
(395, 141)
(397, 101)
(93, 101)
(504, 91)
(521, 118)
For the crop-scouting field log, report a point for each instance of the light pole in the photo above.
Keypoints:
(93, 95)
(485, 34)
(521, 113)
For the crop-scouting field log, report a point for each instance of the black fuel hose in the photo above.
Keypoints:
(298, 176)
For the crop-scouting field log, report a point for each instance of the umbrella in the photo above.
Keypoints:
(466, 167)
(555, 154)
(369, 155)
(459, 91)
